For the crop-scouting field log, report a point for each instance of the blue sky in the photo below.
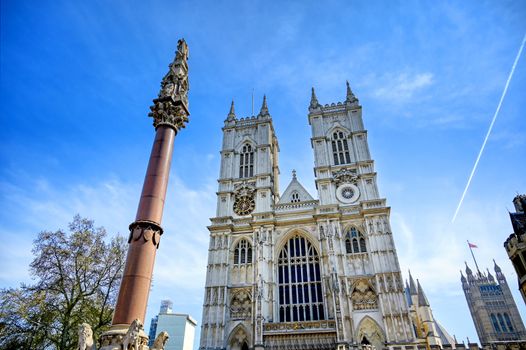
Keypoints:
(77, 78)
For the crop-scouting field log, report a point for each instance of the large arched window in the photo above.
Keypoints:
(355, 242)
(501, 322)
(299, 282)
(243, 253)
(508, 322)
(246, 161)
(495, 323)
(340, 148)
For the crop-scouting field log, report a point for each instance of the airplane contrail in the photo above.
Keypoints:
(490, 127)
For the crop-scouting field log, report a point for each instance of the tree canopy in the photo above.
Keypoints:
(76, 279)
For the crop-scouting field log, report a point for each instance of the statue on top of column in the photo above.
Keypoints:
(171, 106)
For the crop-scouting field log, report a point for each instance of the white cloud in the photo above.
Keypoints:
(402, 86)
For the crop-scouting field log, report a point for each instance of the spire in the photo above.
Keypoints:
(422, 299)
(498, 273)
(412, 286)
(313, 100)
(407, 295)
(232, 113)
(462, 278)
(496, 267)
(490, 277)
(468, 270)
(294, 174)
(264, 107)
(350, 96)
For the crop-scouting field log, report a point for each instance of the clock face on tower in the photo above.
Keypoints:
(244, 202)
(244, 205)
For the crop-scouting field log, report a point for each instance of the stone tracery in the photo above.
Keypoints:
(363, 296)
(241, 305)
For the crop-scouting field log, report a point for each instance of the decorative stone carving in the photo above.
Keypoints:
(241, 305)
(171, 106)
(244, 202)
(363, 296)
(282, 326)
(85, 337)
(132, 339)
(345, 176)
(160, 341)
(148, 231)
(168, 113)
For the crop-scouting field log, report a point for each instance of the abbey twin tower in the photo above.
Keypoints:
(291, 271)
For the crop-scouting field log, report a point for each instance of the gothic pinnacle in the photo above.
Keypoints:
(490, 276)
(496, 267)
(422, 299)
(412, 286)
(468, 270)
(313, 100)
(232, 113)
(264, 107)
(350, 96)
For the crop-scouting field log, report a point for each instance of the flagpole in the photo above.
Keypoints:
(473, 255)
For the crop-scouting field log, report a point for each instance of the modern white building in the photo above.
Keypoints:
(180, 328)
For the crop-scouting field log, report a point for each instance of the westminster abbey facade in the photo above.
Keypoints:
(288, 270)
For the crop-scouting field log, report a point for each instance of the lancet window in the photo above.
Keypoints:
(508, 322)
(495, 323)
(299, 282)
(355, 242)
(246, 161)
(501, 323)
(243, 253)
(340, 148)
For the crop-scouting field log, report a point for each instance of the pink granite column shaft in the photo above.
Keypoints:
(145, 232)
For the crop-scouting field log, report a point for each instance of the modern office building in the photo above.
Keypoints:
(180, 328)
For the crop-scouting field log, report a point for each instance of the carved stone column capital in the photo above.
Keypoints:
(170, 113)
(171, 106)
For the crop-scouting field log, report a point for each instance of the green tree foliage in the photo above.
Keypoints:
(77, 275)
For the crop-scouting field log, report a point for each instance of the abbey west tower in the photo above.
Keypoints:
(294, 271)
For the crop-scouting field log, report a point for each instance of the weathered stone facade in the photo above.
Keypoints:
(295, 272)
(494, 312)
(516, 243)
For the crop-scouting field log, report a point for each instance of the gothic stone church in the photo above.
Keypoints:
(292, 271)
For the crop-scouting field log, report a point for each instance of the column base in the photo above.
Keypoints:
(119, 334)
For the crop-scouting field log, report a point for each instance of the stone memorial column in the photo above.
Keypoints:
(169, 113)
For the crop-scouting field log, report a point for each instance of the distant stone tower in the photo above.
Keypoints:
(295, 272)
(516, 243)
(492, 307)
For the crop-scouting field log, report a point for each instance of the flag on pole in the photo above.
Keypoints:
(471, 245)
